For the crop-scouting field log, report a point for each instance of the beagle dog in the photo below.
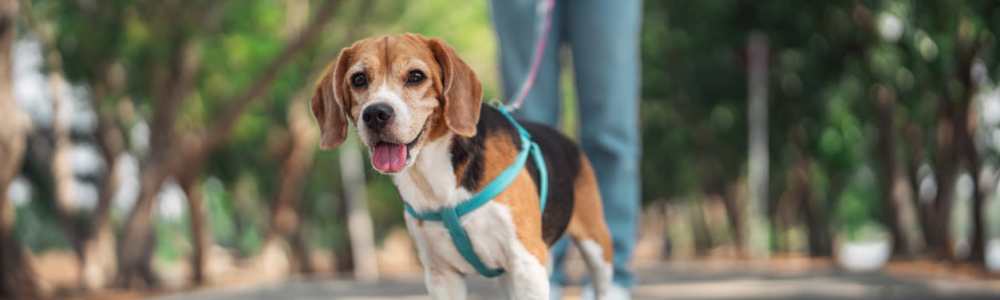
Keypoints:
(418, 108)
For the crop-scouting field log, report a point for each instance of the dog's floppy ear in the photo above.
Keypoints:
(330, 103)
(462, 91)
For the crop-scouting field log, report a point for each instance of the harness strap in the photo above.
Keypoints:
(536, 155)
(451, 216)
(461, 240)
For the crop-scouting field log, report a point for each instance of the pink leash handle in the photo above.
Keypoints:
(545, 10)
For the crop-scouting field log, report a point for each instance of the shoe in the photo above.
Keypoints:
(615, 292)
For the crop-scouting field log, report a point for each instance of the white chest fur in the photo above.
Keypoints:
(489, 229)
(431, 184)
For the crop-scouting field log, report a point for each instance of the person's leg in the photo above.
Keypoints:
(604, 39)
(516, 23)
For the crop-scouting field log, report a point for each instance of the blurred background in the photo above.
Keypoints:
(843, 149)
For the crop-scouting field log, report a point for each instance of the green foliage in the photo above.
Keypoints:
(825, 59)
(218, 203)
(35, 227)
(174, 239)
(858, 204)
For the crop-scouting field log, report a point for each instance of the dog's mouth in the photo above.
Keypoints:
(388, 157)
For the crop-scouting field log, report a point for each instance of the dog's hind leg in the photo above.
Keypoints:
(589, 230)
(601, 271)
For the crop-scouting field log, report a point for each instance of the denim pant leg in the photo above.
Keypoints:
(604, 40)
(517, 31)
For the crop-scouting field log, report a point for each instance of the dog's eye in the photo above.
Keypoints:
(415, 76)
(359, 80)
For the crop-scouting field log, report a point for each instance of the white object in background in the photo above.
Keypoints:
(19, 191)
(993, 256)
(863, 256)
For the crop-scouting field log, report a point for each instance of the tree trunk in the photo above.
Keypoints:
(359, 221)
(946, 168)
(978, 247)
(757, 180)
(888, 173)
(812, 211)
(62, 170)
(914, 142)
(92, 241)
(737, 224)
(818, 227)
(98, 263)
(295, 149)
(134, 262)
(965, 131)
(164, 161)
(200, 236)
(136, 247)
(17, 276)
(343, 257)
(974, 165)
(700, 232)
(297, 160)
(300, 252)
(785, 210)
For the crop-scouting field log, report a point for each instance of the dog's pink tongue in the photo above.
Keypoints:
(388, 157)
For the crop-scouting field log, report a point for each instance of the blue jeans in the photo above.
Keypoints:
(603, 37)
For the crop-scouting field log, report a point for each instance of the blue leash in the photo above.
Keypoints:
(451, 216)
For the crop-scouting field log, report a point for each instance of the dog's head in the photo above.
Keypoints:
(400, 92)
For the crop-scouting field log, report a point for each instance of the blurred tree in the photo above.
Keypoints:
(359, 221)
(186, 161)
(295, 148)
(871, 119)
(758, 52)
(17, 275)
(92, 238)
(943, 46)
(162, 47)
(855, 85)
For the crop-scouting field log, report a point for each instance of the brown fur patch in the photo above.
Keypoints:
(521, 197)
(386, 62)
(588, 214)
(436, 126)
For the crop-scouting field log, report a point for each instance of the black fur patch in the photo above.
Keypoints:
(562, 159)
(469, 150)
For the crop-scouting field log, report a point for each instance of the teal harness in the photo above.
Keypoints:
(451, 216)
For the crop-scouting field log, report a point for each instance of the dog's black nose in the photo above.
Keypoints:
(377, 115)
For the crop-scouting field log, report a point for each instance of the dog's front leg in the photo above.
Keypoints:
(527, 278)
(441, 282)
(445, 285)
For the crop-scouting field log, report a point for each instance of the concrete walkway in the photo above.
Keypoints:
(688, 280)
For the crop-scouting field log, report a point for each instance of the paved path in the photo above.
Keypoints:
(695, 281)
